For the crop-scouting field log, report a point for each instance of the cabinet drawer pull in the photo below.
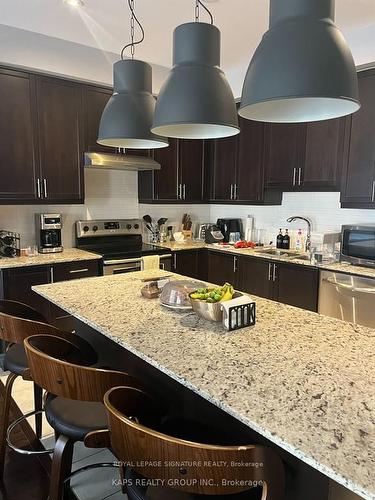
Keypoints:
(269, 271)
(294, 176)
(300, 176)
(274, 275)
(373, 192)
(45, 188)
(74, 271)
(39, 192)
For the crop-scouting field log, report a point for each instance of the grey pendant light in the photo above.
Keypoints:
(127, 118)
(303, 69)
(196, 101)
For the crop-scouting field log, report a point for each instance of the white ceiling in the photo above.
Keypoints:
(104, 24)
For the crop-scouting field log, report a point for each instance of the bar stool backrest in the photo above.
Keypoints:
(62, 367)
(18, 321)
(183, 465)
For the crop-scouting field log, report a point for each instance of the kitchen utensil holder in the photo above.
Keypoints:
(241, 316)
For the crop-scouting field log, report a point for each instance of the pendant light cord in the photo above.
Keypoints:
(198, 3)
(133, 20)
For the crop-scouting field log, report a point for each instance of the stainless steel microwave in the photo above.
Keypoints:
(358, 245)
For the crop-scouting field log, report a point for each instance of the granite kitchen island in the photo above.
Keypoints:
(303, 381)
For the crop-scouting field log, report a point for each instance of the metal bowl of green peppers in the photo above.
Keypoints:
(207, 302)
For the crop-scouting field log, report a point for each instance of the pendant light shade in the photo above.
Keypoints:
(127, 118)
(303, 69)
(196, 101)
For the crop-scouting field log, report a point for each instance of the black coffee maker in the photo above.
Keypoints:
(48, 233)
(227, 226)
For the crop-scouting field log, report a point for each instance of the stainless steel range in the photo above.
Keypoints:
(119, 242)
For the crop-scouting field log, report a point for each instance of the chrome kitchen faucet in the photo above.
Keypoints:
(309, 225)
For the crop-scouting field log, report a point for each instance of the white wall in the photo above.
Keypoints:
(53, 55)
(323, 209)
(109, 194)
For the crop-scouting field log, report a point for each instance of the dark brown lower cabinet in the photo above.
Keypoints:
(255, 276)
(16, 285)
(185, 262)
(222, 268)
(297, 286)
(291, 284)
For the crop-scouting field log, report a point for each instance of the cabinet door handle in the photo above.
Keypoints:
(270, 271)
(300, 176)
(234, 264)
(274, 274)
(231, 191)
(184, 192)
(179, 191)
(39, 192)
(373, 192)
(235, 197)
(74, 271)
(45, 188)
(294, 176)
(175, 261)
(52, 277)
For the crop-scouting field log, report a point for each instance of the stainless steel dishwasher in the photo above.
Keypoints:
(347, 297)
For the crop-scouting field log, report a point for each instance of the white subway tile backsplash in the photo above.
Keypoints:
(112, 194)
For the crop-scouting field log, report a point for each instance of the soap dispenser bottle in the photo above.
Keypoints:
(279, 239)
(286, 240)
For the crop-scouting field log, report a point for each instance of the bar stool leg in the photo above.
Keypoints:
(61, 466)
(38, 405)
(5, 419)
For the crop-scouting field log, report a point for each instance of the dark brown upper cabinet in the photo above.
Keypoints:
(358, 188)
(95, 100)
(284, 155)
(19, 168)
(305, 156)
(181, 176)
(60, 134)
(324, 155)
(236, 166)
(223, 168)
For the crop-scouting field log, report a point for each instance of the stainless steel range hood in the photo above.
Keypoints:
(107, 161)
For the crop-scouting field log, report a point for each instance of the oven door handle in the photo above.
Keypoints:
(121, 261)
(349, 287)
(166, 256)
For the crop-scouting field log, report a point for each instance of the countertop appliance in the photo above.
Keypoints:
(347, 297)
(227, 226)
(9, 243)
(48, 232)
(213, 235)
(358, 244)
(201, 229)
(119, 242)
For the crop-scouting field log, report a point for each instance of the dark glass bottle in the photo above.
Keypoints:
(286, 240)
(279, 240)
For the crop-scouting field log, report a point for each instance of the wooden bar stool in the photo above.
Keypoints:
(18, 321)
(178, 469)
(74, 406)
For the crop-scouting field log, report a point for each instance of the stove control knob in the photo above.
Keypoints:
(85, 229)
(128, 226)
(136, 226)
(95, 228)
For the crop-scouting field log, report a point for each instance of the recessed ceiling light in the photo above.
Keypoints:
(75, 3)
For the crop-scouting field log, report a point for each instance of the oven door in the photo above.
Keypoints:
(358, 245)
(121, 266)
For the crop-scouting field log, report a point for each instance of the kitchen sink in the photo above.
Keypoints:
(285, 254)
